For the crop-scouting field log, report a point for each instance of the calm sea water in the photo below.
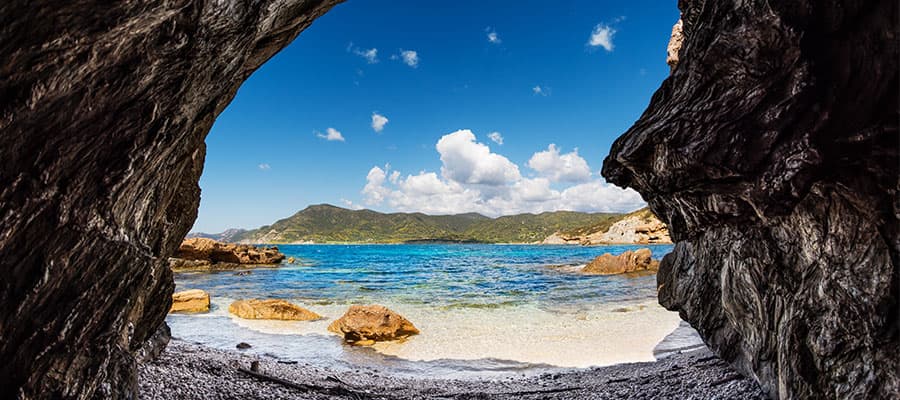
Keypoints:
(480, 307)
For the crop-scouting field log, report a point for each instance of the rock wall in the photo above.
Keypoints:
(104, 108)
(772, 154)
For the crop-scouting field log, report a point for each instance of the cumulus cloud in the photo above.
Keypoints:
(351, 205)
(264, 167)
(467, 161)
(408, 57)
(569, 167)
(496, 137)
(540, 91)
(370, 55)
(492, 36)
(330, 135)
(378, 122)
(602, 36)
(474, 179)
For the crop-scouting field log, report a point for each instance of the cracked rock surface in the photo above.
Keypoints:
(104, 108)
(772, 154)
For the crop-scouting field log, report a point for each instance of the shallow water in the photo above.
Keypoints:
(482, 309)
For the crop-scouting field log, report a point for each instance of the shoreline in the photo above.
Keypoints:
(453, 342)
(450, 243)
(186, 370)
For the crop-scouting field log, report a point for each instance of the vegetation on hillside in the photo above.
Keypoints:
(329, 224)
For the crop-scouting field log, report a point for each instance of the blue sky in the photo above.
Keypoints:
(445, 75)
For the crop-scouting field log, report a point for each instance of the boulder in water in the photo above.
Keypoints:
(630, 261)
(365, 325)
(190, 301)
(271, 309)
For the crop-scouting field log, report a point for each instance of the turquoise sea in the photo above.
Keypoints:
(482, 309)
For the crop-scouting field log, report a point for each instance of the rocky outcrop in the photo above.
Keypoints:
(559, 238)
(216, 252)
(628, 262)
(632, 230)
(201, 254)
(639, 227)
(771, 152)
(271, 309)
(190, 301)
(104, 111)
(365, 325)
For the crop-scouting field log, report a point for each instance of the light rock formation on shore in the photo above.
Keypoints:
(190, 301)
(271, 309)
(639, 227)
(630, 261)
(633, 230)
(365, 325)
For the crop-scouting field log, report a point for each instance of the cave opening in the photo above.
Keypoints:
(771, 151)
(474, 103)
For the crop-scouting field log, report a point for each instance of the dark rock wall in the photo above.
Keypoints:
(772, 153)
(104, 107)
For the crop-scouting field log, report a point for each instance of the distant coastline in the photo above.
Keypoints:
(328, 224)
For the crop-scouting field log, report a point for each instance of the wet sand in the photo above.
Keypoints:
(454, 340)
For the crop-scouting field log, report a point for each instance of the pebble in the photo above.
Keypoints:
(191, 371)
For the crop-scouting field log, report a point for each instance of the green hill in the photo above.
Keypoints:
(329, 224)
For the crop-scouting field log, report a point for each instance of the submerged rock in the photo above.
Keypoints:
(630, 261)
(771, 153)
(271, 309)
(365, 325)
(190, 301)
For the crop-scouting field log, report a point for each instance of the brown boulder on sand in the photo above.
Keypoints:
(365, 325)
(629, 261)
(271, 309)
(190, 301)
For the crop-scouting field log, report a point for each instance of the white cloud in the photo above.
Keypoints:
(600, 196)
(264, 167)
(331, 134)
(602, 36)
(473, 179)
(410, 57)
(538, 90)
(492, 36)
(375, 192)
(496, 137)
(467, 161)
(569, 167)
(370, 55)
(351, 205)
(378, 122)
